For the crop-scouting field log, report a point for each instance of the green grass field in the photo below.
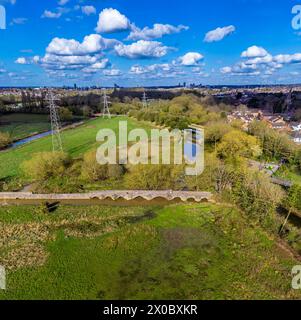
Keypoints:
(178, 252)
(22, 125)
(76, 142)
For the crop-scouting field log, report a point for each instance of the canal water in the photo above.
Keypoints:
(30, 139)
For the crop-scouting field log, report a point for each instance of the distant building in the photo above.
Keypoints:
(276, 122)
(246, 117)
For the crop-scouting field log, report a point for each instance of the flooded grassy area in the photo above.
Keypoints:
(190, 251)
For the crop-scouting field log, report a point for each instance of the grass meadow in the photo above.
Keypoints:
(202, 251)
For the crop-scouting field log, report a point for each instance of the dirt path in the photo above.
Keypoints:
(27, 188)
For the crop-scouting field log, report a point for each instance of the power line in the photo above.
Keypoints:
(144, 101)
(106, 102)
(55, 122)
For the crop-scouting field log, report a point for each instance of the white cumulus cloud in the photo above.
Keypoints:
(103, 64)
(88, 10)
(112, 73)
(157, 31)
(70, 54)
(288, 58)
(21, 60)
(219, 33)
(137, 69)
(142, 49)
(111, 20)
(51, 15)
(69, 60)
(254, 52)
(225, 70)
(191, 59)
(91, 44)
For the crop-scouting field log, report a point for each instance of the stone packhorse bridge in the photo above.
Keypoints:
(134, 197)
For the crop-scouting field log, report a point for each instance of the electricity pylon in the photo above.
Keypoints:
(106, 102)
(144, 101)
(55, 123)
(288, 101)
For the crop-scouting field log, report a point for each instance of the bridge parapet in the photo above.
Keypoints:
(108, 197)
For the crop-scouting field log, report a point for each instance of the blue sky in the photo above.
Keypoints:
(132, 42)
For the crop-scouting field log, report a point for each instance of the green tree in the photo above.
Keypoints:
(65, 114)
(275, 145)
(5, 140)
(236, 145)
(256, 195)
(217, 176)
(45, 165)
(215, 131)
(237, 124)
(87, 111)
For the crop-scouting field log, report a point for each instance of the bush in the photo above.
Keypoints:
(217, 176)
(256, 195)
(45, 165)
(60, 184)
(121, 108)
(91, 170)
(4, 140)
(65, 114)
(87, 111)
(155, 177)
(274, 144)
(293, 199)
(215, 131)
(115, 171)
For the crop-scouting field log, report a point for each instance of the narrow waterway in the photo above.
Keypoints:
(29, 139)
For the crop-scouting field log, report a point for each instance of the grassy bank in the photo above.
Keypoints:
(177, 252)
(76, 142)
